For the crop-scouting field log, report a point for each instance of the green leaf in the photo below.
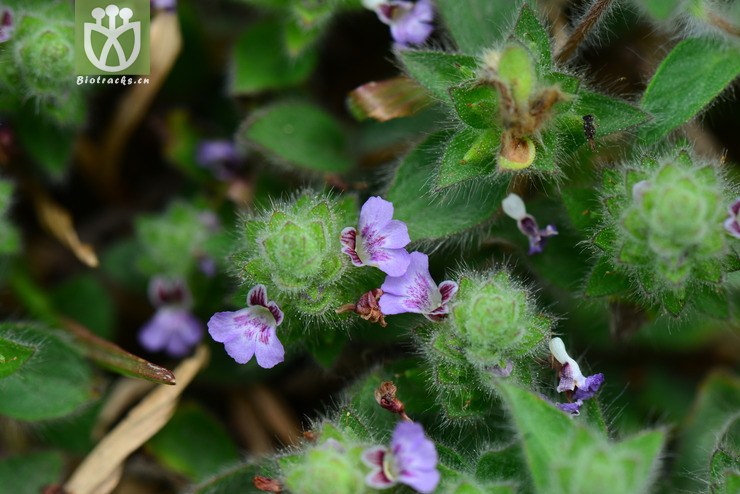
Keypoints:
(236, 479)
(476, 105)
(437, 71)
(612, 115)
(30, 473)
(469, 155)
(534, 36)
(52, 382)
(477, 24)
(302, 135)
(85, 299)
(566, 457)
(715, 408)
(686, 81)
(713, 301)
(261, 62)
(193, 443)
(12, 356)
(543, 428)
(55, 153)
(437, 217)
(583, 207)
(605, 280)
(504, 463)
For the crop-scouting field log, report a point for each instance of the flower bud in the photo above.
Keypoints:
(667, 216)
(498, 319)
(325, 468)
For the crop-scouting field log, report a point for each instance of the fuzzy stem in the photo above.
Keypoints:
(597, 10)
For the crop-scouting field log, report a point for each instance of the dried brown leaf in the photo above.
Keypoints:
(101, 470)
(389, 99)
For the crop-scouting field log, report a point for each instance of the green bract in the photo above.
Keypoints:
(663, 228)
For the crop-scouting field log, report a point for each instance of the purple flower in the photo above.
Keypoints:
(173, 329)
(220, 156)
(6, 24)
(381, 239)
(251, 331)
(514, 208)
(416, 291)
(410, 22)
(732, 223)
(412, 460)
(572, 381)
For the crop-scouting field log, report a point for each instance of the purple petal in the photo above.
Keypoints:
(395, 262)
(373, 457)
(415, 457)
(447, 289)
(378, 480)
(567, 379)
(348, 239)
(411, 448)
(593, 383)
(164, 4)
(423, 481)
(207, 266)
(499, 371)
(269, 350)
(276, 312)
(257, 296)
(376, 212)
(164, 291)
(396, 235)
(413, 26)
(246, 332)
(153, 335)
(732, 226)
(174, 330)
(734, 208)
(416, 289)
(572, 408)
(6, 25)
(392, 304)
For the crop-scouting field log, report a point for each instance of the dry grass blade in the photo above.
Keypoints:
(58, 222)
(100, 472)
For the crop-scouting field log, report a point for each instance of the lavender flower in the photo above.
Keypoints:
(6, 24)
(732, 224)
(415, 291)
(220, 156)
(173, 329)
(410, 22)
(411, 460)
(572, 380)
(514, 208)
(251, 331)
(381, 239)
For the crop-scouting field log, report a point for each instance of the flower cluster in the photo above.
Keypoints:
(411, 460)
(173, 329)
(381, 242)
(514, 208)
(410, 22)
(578, 387)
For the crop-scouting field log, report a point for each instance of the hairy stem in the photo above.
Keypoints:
(597, 10)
